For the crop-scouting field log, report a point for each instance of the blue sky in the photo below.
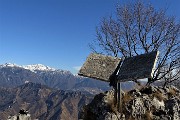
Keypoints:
(55, 33)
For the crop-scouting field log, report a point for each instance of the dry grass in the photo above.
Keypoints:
(148, 115)
(113, 106)
(126, 98)
(158, 95)
(131, 118)
(172, 92)
(114, 109)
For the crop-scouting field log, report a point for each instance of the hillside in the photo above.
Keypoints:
(42, 102)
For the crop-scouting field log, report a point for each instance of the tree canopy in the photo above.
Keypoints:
(139, 28)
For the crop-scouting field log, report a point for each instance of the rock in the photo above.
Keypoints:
(138, 108)
(109, 97)
(158, 104)
(23, 115)
(148, 103)
(102, 107)
(173, 106)
(113, 116)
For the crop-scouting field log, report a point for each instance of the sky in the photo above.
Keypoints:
(56, 33)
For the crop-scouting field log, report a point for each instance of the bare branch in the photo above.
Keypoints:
(139, 28)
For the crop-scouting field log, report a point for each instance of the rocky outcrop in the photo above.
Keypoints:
(145, 103)
(23, 115)
(101, 108)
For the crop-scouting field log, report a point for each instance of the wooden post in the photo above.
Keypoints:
(119, 96)
(115, 93)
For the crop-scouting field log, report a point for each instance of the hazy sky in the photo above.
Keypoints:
(56, 33)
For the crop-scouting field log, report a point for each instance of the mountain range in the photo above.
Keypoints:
(13, 75)
(47, 93)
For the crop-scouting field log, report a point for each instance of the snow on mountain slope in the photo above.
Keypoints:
(32, 68)
(9, 65)
(38, 67)
(13, 75)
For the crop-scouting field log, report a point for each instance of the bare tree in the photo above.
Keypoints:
(138, 28)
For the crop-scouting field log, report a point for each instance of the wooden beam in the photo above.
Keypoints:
(119, 97)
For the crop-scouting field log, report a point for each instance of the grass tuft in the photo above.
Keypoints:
(158, 95)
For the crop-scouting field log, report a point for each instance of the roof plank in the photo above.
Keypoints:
(99, 67)
(138, 67)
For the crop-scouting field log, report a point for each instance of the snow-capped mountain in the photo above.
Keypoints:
(39, 67)
(12, 75)
(9, 65)
(32, 68)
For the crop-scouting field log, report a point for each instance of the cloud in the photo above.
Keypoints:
(77, 68)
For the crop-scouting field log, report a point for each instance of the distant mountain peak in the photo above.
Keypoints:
(35, 67)
(32, 68)
(9, 65)
(40, 67)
